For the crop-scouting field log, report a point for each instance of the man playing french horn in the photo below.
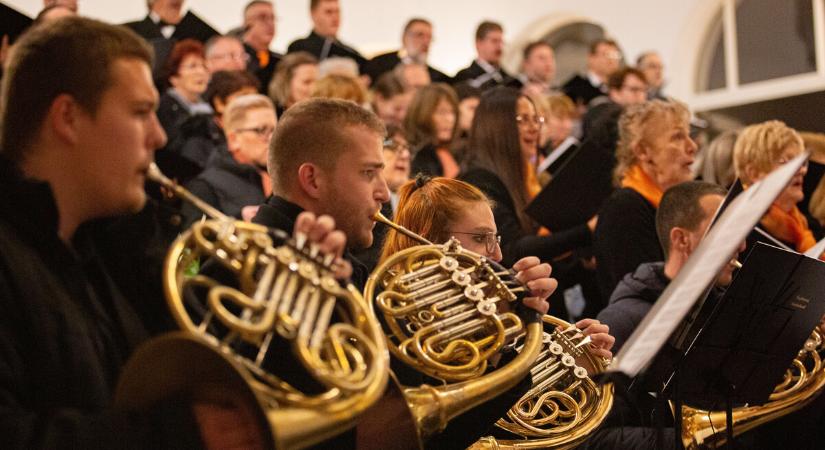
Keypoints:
(76, 148)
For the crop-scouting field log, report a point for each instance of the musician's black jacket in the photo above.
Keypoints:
(68, 322)
(314, 45)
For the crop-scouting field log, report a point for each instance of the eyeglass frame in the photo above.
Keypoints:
(490, 244)
(523, 119)
(395, 146)
(263, 131)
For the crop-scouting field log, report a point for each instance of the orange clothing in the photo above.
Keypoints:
(447, 162)
(635, 178)
(789, 226)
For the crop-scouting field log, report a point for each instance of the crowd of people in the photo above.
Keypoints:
(317, 141)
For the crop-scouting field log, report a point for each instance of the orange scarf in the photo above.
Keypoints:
(448, 164)
(789, 227)
(635, 178)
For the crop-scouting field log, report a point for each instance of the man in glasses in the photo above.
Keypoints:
(603, 59)
(235, 182)
(259, 31)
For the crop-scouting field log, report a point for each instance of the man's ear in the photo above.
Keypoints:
(679, 241)
(310, 179)
(63, 116)
(232, 143)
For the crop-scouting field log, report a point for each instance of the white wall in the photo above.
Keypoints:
(375, 25)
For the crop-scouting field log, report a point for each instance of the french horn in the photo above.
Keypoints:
(269, 302)
(802, 383)
(564, 405)
(445, 311)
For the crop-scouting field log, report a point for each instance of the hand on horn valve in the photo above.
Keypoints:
(320, 231)
(600, 339)
(536, 276)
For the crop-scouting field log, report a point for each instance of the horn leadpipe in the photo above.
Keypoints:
(157, 176)
(378, 217)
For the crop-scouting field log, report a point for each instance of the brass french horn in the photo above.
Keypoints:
(802, 382)
(443, 312)
(280, 302)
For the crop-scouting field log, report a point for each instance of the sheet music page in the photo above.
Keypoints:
(556, 153)
(816, 251)
(701, 269)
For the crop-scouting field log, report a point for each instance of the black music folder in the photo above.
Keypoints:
(577, 189)
(753, 333)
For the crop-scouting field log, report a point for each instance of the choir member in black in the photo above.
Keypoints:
(165, 24)
(225, 52)
(430, 126)
(602, 60)
(625, 87)
(76, 271)
(415, 46)
(501, 155)
(322, 41)
(654, 152)
(485, 72)
(259, 31)
(760, 149)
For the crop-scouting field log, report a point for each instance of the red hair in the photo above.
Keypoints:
(179, 52)
(427, 206)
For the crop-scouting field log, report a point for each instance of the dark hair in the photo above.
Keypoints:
(179, 52)
(485, 28)
(494, 145)
(532, 46)
(71, 56)
(418, 123)
(465, 90)
(680, 207)
(314, 3)
(616, 79)
(603, 41)
(388, 86)
(316, 131)
(413, 21)
(226, 82)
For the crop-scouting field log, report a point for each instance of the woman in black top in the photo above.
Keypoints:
(502, 148)
(430, 126)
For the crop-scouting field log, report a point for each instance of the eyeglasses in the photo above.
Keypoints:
(264, 131)
(233, 56)
(489, 238)
(523, 119)
(395, 146)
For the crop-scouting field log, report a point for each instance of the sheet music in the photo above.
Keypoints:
(701, 269)
(817, 250)
(556, 153)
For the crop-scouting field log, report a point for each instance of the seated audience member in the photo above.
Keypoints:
(293, 81)
(391, 99)
(716, 164)
(468, 98)
(602, 60)
(322, 41)
(225, 52)
(441, 208)
(681, 221)
(415, 47)
(396, 172)
(538, 69)
(187, 79)
(74, 310)
(485, 72)
(654, 152)
(501, 153)
(413, 75)
(559, 114)
(259, 31)
(760, 149)
(235, 182)
(339, 86)
(625, 87)
(650, 63)
(430, 127)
